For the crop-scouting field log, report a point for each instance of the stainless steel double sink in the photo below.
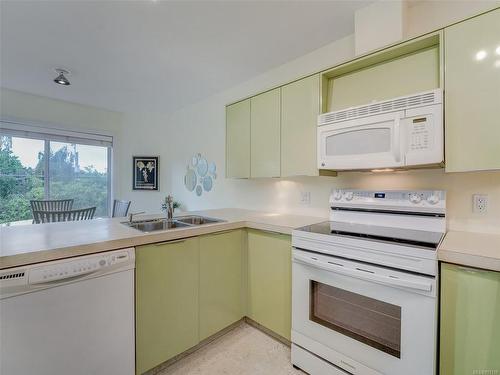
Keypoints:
(153, 225)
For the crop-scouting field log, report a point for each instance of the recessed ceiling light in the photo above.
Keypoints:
(481, 55)
(61, 79)
(497, 51)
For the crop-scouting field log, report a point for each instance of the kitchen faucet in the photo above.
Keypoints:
(132, 214)
(170, 210)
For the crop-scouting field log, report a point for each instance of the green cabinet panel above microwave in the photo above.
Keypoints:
(300, 107)
(472, 94)
(470, 324)
(406, 75)
(265, 134)
(238, 140)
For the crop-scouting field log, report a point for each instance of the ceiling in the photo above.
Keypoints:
(157, 55)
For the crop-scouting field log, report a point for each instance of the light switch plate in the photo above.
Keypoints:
(480, 203)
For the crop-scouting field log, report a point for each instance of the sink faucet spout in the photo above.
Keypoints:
(170, 208)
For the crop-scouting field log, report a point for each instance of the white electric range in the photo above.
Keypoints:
(364, 289)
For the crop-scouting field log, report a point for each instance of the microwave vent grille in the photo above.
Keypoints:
(417, 100)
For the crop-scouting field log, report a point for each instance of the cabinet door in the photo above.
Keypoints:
(265, 134)
(472, 94)
(299, 117)
(470, 324)
(166, 301)
(269, 281)
(238, 139)
(220, 281)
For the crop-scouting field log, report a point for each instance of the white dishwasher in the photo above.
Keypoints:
(73, 316)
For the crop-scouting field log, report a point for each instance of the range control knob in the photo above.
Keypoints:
(433, 199)
(337, 195)
(348, 196)
(415, 198)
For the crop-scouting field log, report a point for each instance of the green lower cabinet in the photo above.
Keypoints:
(269, 281)
(221, 282)
(187, 290)
(167, 286)
(470, 321)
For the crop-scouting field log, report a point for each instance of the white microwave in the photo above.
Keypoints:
(397, 133)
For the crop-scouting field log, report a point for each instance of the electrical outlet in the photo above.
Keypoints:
(480, 203)
(305, 197)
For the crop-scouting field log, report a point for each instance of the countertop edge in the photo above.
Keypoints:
(471, 249)
(26, 259)
(457, 247)
(469, 260)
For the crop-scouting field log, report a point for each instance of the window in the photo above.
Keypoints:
(77, 167)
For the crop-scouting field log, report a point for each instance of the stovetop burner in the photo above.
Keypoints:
(410, 237)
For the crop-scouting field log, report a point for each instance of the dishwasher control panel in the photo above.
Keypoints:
(77, 267)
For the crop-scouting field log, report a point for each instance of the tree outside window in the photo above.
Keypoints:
(75, 171)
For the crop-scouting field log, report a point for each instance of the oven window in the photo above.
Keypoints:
(365, 319)
(359, 142)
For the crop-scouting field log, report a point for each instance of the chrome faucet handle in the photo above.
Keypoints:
(132, 214)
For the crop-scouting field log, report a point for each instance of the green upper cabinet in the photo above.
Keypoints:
(270, 281)
(470, 324)
(300, 108)
(238, 140)
(167, 284)
(265, 134)
(221, 281)
(472, 94)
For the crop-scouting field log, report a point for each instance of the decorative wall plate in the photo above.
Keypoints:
(207, 183)
(202, 167)
(200, 175)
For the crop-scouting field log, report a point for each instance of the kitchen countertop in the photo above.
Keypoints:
(27, 244)
(471, 249)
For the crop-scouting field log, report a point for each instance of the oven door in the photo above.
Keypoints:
(363, 318)
(366, 143)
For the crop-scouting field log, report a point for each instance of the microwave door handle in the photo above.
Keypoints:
(365, 275)
(396, 141)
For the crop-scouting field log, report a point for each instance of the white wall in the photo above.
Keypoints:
(201, 128)
(388, 18)
(42, 111)
(428, 15)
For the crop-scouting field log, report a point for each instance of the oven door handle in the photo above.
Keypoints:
(364, 274)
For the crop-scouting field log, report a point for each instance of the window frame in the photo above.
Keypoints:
(49, 134)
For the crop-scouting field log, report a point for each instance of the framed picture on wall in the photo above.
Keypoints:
(145, 173)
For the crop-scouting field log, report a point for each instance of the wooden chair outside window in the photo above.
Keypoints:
(52, 205)
(41, 217)
(120, 208)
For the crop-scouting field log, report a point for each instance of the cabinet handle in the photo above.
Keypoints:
(172, 241)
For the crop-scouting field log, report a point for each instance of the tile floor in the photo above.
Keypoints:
(242, 351)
